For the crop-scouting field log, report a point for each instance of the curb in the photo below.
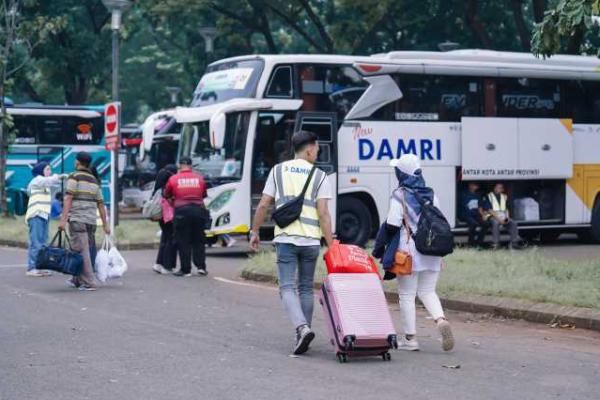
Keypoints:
(545, 313)
(122, 246)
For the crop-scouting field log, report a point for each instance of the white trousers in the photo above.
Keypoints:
(423, 284)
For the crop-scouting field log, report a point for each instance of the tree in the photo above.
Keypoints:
(564, 27)
(18, 38)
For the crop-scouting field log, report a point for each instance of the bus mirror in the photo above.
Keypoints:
(217, 130)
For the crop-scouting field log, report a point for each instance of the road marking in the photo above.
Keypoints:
(13, 266)
(225, 280)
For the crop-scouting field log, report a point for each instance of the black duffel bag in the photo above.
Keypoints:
(290, 211)
(58, 256)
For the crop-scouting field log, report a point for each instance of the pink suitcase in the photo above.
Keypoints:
(357, 316)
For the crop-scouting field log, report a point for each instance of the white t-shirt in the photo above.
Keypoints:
(323, 192)
(421, 262)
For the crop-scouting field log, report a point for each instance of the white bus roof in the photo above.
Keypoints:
(457, 62)
(53, 112)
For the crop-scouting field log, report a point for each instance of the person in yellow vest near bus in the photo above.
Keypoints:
(298, 244)
(495, 207)
(38, 212)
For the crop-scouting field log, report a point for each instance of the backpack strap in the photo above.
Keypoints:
(400, 198)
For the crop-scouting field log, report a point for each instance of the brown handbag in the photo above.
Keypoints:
(402, 259)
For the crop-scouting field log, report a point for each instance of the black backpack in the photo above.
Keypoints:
(434, 236)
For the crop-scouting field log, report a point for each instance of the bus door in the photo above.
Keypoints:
(325, 126)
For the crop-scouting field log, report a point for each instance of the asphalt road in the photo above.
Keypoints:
(154, 337)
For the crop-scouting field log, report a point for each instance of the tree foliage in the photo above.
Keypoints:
(565, 27)
(162, 45)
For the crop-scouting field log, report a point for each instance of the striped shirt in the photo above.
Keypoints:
(86, 193)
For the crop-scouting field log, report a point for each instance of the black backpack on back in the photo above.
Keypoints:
(433, 236)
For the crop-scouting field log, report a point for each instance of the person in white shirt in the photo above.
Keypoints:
(38, 212)
(425, 269)
(298, 244)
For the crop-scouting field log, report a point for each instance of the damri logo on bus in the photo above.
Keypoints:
(386, 149)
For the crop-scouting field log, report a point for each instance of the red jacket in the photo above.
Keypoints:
(186, 187)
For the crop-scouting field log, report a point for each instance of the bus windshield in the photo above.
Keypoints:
(218, 166)
(228, 80)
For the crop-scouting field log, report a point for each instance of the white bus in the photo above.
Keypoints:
(470, 115)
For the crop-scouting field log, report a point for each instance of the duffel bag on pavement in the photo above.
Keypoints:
(58, 256)
(347, 258)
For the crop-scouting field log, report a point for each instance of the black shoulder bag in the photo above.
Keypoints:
(290, 211)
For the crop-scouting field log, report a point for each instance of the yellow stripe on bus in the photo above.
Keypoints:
(586, 182)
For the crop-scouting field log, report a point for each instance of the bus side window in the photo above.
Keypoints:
(25, 129)
(50, 130)
(582, 101)
(433, 98)
(330, 88)
(82, 131)
(280, 85)
(528, 98)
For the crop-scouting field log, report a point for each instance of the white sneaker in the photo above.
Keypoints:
(37, 273)
(408, 344)
(447, 336)
(159, 269)
(231, 242)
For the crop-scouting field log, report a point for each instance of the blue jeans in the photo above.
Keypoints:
(38, 236)
(297, 291)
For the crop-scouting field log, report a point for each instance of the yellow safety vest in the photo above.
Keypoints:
(40, 202)
(290, 177)
(497, 206)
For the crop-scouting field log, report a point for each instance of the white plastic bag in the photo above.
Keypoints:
(103, 260)
(118, 265)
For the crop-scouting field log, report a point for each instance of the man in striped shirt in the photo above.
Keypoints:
(83, 197)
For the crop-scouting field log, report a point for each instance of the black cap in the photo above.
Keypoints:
(84, 158)
(302, 138)
(185, 161)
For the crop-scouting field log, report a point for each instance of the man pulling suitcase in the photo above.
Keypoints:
(297, 243)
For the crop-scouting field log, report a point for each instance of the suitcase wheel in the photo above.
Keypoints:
(386, 356)
(342, 358)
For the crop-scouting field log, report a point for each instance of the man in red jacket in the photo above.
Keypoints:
(187, 190)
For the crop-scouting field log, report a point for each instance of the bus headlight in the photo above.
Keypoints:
(223, 220)
(218, 202)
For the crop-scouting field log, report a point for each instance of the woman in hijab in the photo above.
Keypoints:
(404, 210)
(167, 251)
(38, 212)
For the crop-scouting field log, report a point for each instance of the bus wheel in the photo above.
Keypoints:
(595, 228)
(354, 224)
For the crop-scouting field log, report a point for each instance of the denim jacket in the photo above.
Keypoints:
(386, 246)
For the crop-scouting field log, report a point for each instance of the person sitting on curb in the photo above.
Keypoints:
(495, 207)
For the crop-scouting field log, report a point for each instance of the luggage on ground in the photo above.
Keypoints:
(357, 316)
(58, 256)
(345, 258)
(526, 209)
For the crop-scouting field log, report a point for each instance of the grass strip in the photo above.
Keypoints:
(525, 275)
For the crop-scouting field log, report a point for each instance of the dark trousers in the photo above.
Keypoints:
(189, 236)
(477, 231)
(167, 250)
